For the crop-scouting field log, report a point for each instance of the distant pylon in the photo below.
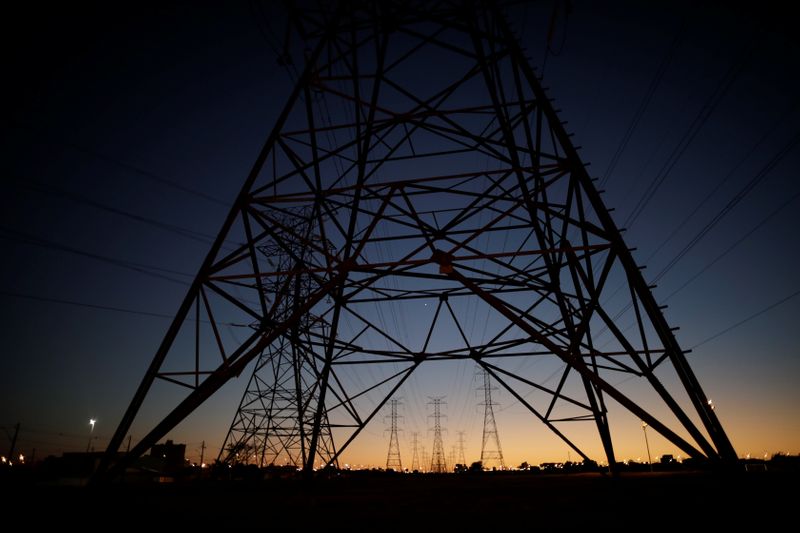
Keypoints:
(460, 458)
(414, 452)
(425, 459)
(491, 453)
(393, 458)
(438, 462)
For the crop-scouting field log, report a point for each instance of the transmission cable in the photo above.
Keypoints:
(75, 303)
(757, 314)
(643, 105)
(725, 179)
(703, 114)
(735, 244)
(121, 164)
(747, 189)
(83, 200)
(148, 270)
(737, 198)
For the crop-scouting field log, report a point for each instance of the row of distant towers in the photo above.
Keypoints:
(491, 452)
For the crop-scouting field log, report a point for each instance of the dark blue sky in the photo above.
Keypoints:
(128, 132)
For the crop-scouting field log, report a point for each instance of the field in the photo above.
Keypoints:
(361, 502)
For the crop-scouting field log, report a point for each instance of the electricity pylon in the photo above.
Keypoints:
(460, 457)
(460, 185)
(393, 457)
(438, 461)
(272, 425)
(415, 464)
(491, 452)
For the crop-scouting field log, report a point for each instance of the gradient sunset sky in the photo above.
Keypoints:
(130, 131)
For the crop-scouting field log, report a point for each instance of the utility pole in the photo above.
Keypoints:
(414, 453)
(13, 442)
(438, 462)
(647, 444)
(89, 447)
(202, 454)
(490, 448)
(393, 458)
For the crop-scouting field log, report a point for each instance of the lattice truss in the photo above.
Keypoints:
(273, 423)
(419, 161)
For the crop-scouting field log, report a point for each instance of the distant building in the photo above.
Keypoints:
(552, 467)
(169, 456)
(75, 464)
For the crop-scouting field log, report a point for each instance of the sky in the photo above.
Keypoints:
(129, 133)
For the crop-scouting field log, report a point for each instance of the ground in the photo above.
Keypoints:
(492, 501)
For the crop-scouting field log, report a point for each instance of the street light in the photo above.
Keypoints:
(92, 422)
(647, 444)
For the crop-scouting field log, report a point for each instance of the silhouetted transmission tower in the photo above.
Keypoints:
(393, 457)
(438, 461)
(460, 457)
(457, 188)
(276, 413)
(491, 452)
(415, 464)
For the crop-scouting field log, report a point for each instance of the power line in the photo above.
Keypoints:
(48, 299)
(152, 176)
(643, 105)
(725, 178)
(749, 318)
(736, 243)
(738, 197)
(25, 238)
(79, 199)
(719, 257)
(695, 126)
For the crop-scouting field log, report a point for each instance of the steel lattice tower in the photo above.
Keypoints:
(438, 462)
(491, 452)
(415, 464)
(458, 186)
(393, 457)
(273, 421)
(461, 458)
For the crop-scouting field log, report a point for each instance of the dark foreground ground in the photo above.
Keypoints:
(752, 501)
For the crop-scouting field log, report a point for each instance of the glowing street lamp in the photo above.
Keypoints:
(92, 422)
(644, 430)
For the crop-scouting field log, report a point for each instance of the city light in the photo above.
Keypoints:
(92, 422)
